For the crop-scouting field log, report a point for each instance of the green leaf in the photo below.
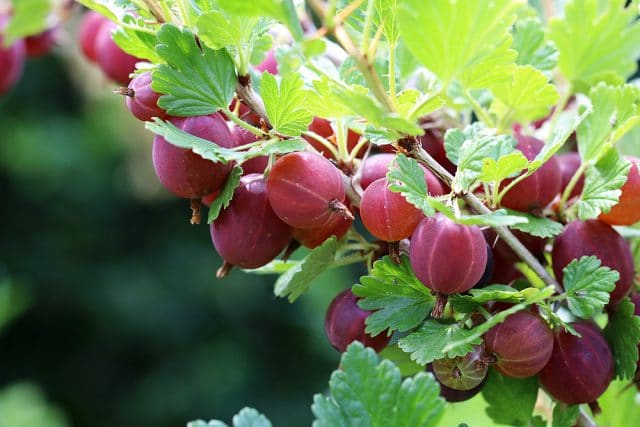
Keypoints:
(400, 302)
(614, 113)
(470, 147)
(619, 405)
(596, 43)
(565, 416)
(401, 359)
(602, 185)
(226, 194)
(526, 96)
(623, 335)
(214, 152)
(109, 8)
(587, 285)
(297, 280)
(465, 39)
(478, 297)
(134, 40)
(405, 176)
(387, 16)
(28, 17)
(412, 104)
(511, 400)
(529, 41)
(367, 392)
(537, 226)
(497, 218)
(281, 10)
(429, 341)
(196, 80)
(247, 417)
(285, 104)
(505, 167)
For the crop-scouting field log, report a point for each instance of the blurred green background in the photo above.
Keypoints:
(123, 321)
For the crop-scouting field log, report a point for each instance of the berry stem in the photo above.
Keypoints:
(439, 306)
(245, 93)
(224, 270)
(339, 207)
(125, 91)
(196, 209)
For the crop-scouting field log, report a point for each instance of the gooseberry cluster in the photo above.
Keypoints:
(531, 300)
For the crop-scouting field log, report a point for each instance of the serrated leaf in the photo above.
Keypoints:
(525, 96)
(134, 40)
(196, 80)
(285, 104)
(596, 43)
(412, 104)
(28, 17)
(588, 286)
(478, 297)
(452, 48)
(281, 10)
(511, 400)
(470, 147)
(623, 334)
(565, 416)
(614, 113)
(537, 226)
(386, 11)
(223, 199)
(367, 392)
(400, 302)
(429, 341)
(505, 167)
(602, 185)
(297, 280)
(247, 417)
(529, 41)
(405, 176)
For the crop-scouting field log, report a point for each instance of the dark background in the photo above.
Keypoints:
(126, 323)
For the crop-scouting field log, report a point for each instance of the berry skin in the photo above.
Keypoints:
(11, 60)
(185, 173)
(115, 63)
(89, 28)
(580, 369)
(569, 164)
(345, 323)
(488, 270)
(627, 210)
(248, 234)
(433, 143)
(41, 44)
(593, 237)
(446, 257)
(388, 215)
(142, 101)
(538, 190)
(522, 344)
(269, 64)
(463, 372)
(376, 167)
(311, 238)
(306, 190)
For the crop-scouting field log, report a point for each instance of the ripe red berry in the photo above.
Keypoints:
(91, 24)
(142, 101)
(114, 62)
(269, 63)
(627, 210)
(345, 323)
(376, 167)
(388, 215)
(248, 234)
(522, 344)
(538, 190)
(41, 44)
(11, 60)
(447, 257)
(185, 173)
(462, 372)
(306, 190)
(433, 143)
(488, 270)
(580, 369)
(593, 237)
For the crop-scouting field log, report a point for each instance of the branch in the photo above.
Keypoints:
(250, 98)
